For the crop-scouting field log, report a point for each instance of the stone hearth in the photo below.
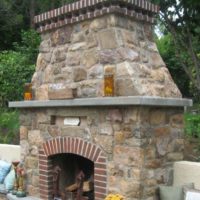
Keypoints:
(129, 141)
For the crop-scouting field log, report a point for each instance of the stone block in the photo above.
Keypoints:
(58, 55)
(98, 24)
(114, 115)
(129, 38)
(41, 93)
(33, 191)
(128, 54)
(34, 151)
(109, 56)
(41, 62)
(115, 170)
(77, 46)
(150, 153)
(119, 137)
(128, 156)
(35, 137)
(153, 164)
(135, 174)
(162, 131)
(177, 121)
(45, 46)
(91, 41)
(135, 142)
(130, 189)
(158, 117)
(149, 192)
(35, 180)
(150, 182)
(78, 37)
(89, 58)
(74, 131)
(96, 72)
(65, 93)
(162, 145)
(131, 115)
(128, 87)
(90, 88)
(79, 74)
(23, 132)
(108, 39)
(73, 58)
(61, 36)
(124, 70)
(105, 129)
(175, 156)
(54, 130)
(31, 162)
(106, 143)
(155, 60)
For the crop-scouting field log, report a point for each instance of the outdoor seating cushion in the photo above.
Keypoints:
(4, 169)
(9, 180)
(174, 192)
(191, 194)
(3, 189)
(171, 192)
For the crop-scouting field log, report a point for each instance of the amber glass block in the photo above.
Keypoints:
(28, 91)
(108, 85)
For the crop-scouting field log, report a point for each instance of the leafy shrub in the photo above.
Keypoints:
(17, 67)
(15, 70)
(9, 127)
(28, 45)
(192, 125)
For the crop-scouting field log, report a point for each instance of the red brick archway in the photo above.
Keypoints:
(76, 146)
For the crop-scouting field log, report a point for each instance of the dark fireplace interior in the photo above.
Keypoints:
(73, 177)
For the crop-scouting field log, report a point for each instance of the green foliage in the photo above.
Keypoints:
(9, 127)
(28, 45)
(167, 50)
(10, 24)
(17, 67)
(192, 125)
(181, 18)
(15, 70)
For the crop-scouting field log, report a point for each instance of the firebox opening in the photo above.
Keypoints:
(75, 176)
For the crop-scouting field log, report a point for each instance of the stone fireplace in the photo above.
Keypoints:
(123, 144)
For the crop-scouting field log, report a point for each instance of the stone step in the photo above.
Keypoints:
(10, 196)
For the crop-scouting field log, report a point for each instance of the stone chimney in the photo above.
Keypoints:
(81, 39)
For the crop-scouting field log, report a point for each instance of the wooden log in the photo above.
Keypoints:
(72, 187)
(87, 187)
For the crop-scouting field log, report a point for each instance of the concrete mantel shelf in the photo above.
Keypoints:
(105, 101)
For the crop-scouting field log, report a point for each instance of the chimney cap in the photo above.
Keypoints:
(82, 10)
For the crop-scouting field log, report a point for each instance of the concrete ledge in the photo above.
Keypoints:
(105, 101)
(187, 172)
(10, 152)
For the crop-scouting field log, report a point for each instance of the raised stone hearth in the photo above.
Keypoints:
(123, 144)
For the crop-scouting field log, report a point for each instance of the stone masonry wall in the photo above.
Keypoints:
(76, 55)
(140, 144)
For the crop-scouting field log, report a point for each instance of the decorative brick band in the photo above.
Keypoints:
(87, 9)
(74, 146)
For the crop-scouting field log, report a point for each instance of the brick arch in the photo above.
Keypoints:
(75, 146)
